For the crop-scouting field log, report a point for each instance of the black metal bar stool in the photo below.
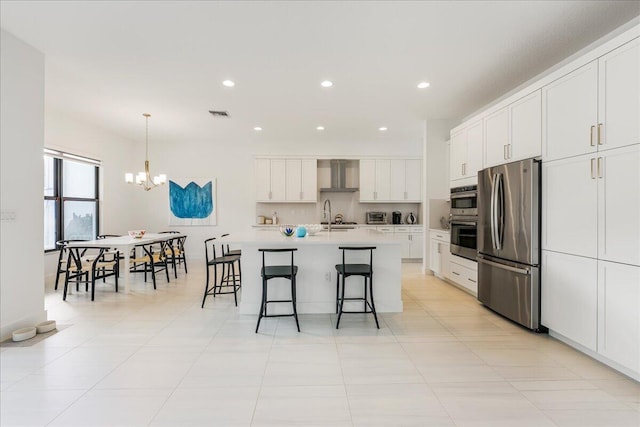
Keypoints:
(366, 271)
(222, 261)
(269, 272)
(227, 251)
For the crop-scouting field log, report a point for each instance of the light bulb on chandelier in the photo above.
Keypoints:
(144, 178)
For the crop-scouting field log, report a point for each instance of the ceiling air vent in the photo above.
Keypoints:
(215, 113)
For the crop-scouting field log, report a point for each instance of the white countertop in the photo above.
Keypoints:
(353, 236)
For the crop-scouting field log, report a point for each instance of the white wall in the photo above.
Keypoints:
(21, 184)
(120, 203)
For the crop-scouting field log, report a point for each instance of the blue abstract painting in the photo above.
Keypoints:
(193, 203)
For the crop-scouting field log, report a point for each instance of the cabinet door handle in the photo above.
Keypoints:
(457, 274)
(591, 136)
(375, 195)
(593, 167)
(599, 133)
(405, 195)
(270, 195)
(508, 151)
(471, 280)
(599, 167)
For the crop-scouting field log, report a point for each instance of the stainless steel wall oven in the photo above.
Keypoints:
(464, 221)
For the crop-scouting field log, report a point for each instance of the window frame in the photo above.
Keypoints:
(59, 198)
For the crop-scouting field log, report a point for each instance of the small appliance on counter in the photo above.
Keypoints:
(396, 217)
(376, 218)
(411, 218)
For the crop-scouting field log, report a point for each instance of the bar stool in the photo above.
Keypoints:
(223, 261)
(269, 272)
(238, 252)
(345, 270)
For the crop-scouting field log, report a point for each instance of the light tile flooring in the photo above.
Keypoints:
(156, 358)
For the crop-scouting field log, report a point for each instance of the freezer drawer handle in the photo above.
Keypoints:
(505, 267)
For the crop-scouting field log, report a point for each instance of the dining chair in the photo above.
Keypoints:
(86, 265)
(62, 258)
(150, 258)
(175, 251)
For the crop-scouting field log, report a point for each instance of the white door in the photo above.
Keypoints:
(569, 292)
(293, 186)
(526, 128)
(619, 313)
(263, 180)
(496, 136)
(473, 161)
(383, 180)
(310, 180)
(570, 206)
(457, 153)
(435, 259)
(417, 242)
(278, 180)
(397, 177)
(367, 180)
(619, 108)
(570, 114)
(619, 205)
(413, 177)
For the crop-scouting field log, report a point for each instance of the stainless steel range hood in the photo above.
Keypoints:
(339, 177)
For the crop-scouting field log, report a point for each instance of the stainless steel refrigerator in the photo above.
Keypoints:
(509, 241)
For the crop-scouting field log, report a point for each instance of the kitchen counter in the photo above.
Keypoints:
(316, 258)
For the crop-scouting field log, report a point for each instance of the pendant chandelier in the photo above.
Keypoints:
(144, 179)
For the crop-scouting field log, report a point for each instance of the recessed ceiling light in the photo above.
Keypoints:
(320, 128)
(326, 83)
(229, 83)
(382, 129)
(257, 128)
(423, 85)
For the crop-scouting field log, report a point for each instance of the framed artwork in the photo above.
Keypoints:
(193, 202)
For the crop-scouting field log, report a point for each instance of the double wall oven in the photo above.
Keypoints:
(464, 221)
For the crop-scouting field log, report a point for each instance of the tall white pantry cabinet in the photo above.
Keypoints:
(591, 207)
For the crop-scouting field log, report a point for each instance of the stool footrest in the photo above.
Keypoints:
(278, 315)
(279, 300)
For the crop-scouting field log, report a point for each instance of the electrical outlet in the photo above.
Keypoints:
(327, 277)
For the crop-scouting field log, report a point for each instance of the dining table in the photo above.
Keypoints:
(125, 245)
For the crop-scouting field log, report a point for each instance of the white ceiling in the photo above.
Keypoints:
(108, 62)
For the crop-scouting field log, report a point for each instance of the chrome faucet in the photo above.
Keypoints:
(324, 208)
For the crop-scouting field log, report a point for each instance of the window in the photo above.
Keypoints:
(71, 198)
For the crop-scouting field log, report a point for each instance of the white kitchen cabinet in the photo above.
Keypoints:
(463, 272)
(270, 177)
(526, 128)
(375, 180)
(514, 132)
(466, 152)
(618, 208)
(570, 114)
(619, 313)
(412, 239)
(405, 180)
(496, 136)
(439, 252)
(301, 180)
(590, 205)
(569, 292)
(569, 206)
(619, 102)
(595, 107)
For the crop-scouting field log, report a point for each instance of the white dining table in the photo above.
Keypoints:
(125, 244)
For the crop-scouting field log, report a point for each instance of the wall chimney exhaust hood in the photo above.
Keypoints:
(339, 177)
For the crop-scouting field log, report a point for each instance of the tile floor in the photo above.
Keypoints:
(156, 358)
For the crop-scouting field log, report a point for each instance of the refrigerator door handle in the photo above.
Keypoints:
(499, 211)
(492, 204)
(505, 267)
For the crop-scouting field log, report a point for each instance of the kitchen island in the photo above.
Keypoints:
(316, 258)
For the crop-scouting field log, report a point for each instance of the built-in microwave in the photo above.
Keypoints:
(464, 200)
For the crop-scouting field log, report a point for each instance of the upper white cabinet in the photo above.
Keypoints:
(466, 152)
(301, 180)
(385, 180)
(290, 180)
(514, 132)
(405, 180)
(270, 180)
(595, 107)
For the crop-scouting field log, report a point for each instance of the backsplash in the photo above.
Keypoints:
(346, 204)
